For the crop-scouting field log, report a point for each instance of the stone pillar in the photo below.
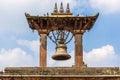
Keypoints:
(78, 50)
(43, 50)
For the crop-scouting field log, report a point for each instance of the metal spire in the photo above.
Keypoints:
(55, 8)
(61, 8)
(67, 9)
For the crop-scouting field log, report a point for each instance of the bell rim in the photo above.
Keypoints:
(61, 57)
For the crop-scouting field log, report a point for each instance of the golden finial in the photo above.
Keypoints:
(55, 8)
(67, 9)
(61, 8)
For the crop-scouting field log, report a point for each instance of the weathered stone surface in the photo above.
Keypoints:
(60, 77)
(61, 71)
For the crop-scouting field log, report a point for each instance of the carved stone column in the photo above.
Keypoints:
(78, 50)
(43, 50)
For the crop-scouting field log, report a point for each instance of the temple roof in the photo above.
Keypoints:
(60, 19)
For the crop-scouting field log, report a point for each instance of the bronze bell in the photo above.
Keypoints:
(61, 52)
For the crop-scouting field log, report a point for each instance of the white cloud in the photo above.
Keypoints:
(12, 13)
(14, 57)
(106, 6)
(100, 57)
(32, 45)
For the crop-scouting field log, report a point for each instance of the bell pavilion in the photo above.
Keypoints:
(61, 20)
(58, 26)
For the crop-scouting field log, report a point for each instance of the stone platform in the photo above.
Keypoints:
(61, 73)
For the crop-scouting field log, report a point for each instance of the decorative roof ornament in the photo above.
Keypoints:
(61, 8)
(60, 12)
(68, 9)
(55, 8)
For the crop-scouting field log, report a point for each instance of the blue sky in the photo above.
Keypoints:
(19, 46)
